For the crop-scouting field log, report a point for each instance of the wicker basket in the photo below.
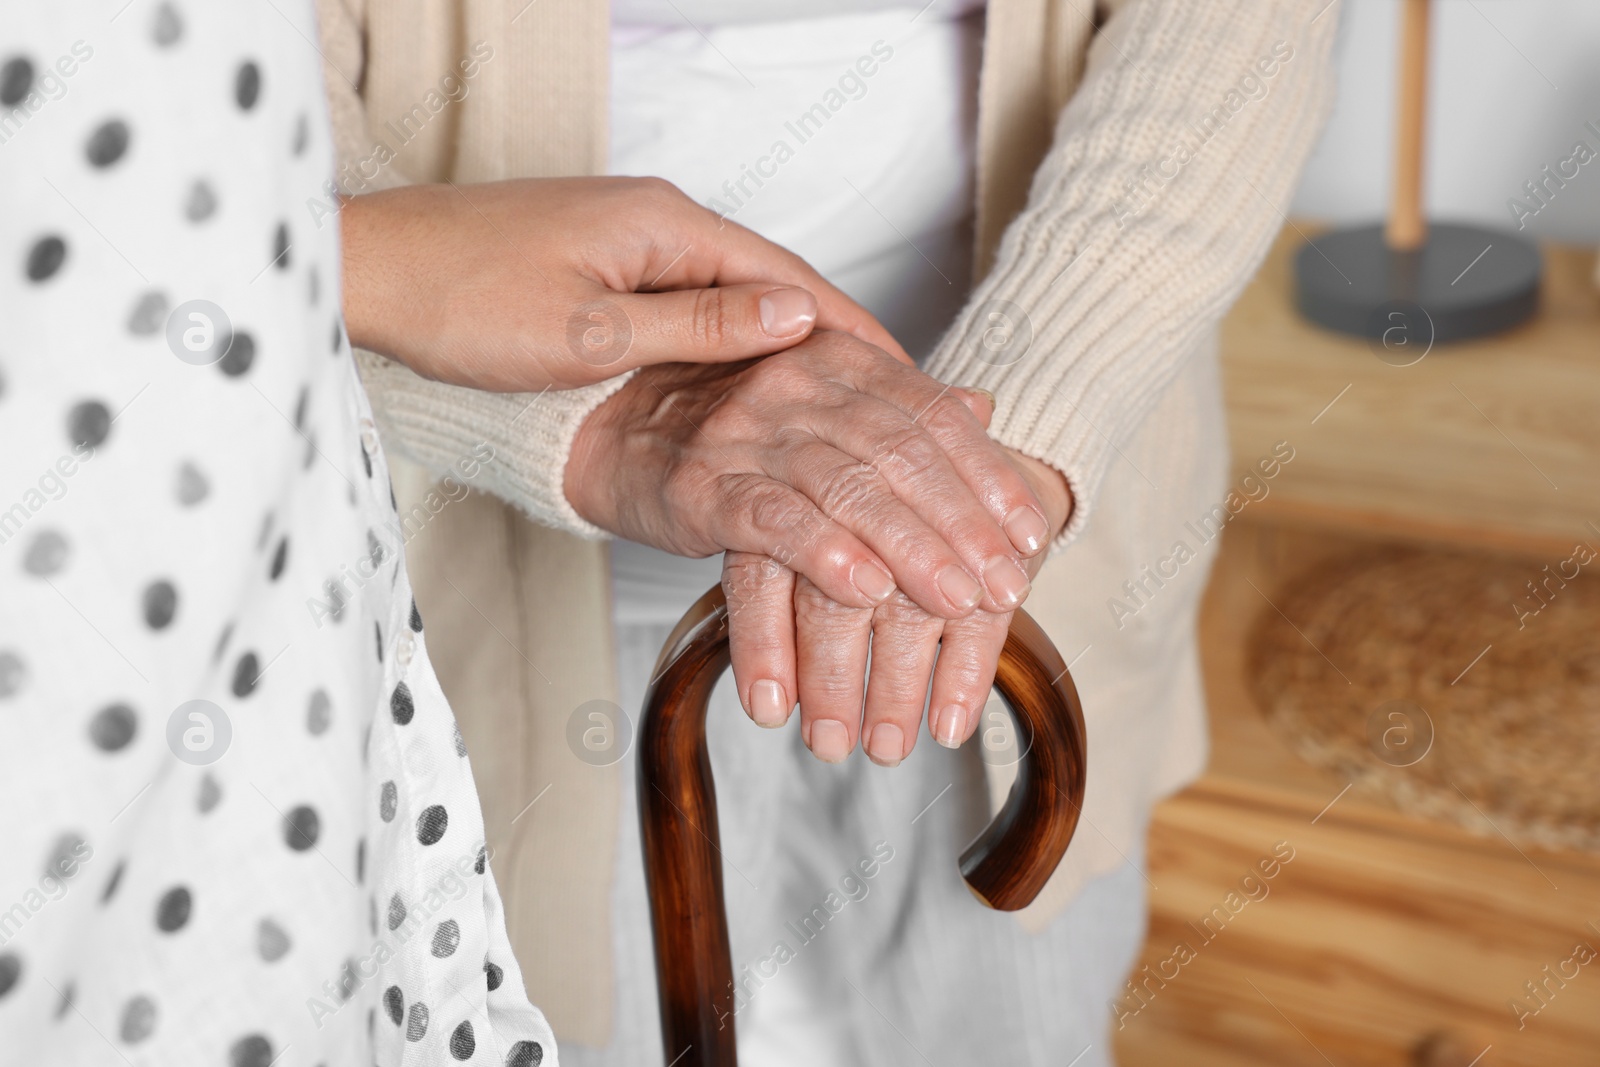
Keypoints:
(1442, 682)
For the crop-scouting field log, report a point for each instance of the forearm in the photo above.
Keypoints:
(1144, 222)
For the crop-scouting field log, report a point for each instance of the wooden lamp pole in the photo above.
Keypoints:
(1407, 283)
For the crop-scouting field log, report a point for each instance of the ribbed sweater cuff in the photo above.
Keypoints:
(530, 434)
(1109, 277)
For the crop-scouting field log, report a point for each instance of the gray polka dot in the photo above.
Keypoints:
(107, 143)
(525, 1054)
(45, 258)
(302, 133)
(394, 1004)
(172, 911)
(88, 423)
(149, 315)
(462, 1042)
(167, 27)
(13, 674)
(160, 604)
(349, 981)
(113, 727)
(246, 672)
(252, 1051)
(319, 712)
(445, 938)
(272, 940)
(417, 1022)
(461, 742)
(247, 86)
(388, 801)
(66, 854)
(280, 246)
(46, 555)
(334, 599)
(210, 794)
(397, 912)
(432, 823)
(201, 203)
(16, 78)
(10, 971)
(301, 827)
(192, 486)
(138, 1020)
(240, 355)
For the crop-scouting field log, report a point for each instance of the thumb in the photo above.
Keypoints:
(719, 325)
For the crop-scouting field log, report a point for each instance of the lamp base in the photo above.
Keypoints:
(1467, 281)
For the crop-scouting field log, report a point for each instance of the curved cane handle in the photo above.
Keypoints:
(1005, 866)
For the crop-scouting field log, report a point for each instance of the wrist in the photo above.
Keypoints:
(389, 300)
(358, 282)
(594, 462)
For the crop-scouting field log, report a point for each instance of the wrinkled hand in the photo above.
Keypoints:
(790, 639)
(834, 458)
(518, 286)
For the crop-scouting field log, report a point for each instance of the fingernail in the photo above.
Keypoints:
(1027, 530)
(887, 745)
(1007, 582)
(768, 706)
(986, 395)
(830, 741)
(785, 312)
(948, 725)
(874, 582)
(959, 587)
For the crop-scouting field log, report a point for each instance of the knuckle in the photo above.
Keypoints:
(911, 453)
(772, 510)
(659, 190)
(947, 414)
(900, 615)
(850, 489)
(709, 323)
(814, 612)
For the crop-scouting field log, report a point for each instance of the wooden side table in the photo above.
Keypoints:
(1388, 939)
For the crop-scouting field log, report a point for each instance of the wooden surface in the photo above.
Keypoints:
(1382, 930)
(1484, 442)
(1385, 928)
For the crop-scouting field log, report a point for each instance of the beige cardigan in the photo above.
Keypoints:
(1178, 130)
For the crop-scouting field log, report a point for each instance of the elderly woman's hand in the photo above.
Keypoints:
(788, 636)
(841, 462)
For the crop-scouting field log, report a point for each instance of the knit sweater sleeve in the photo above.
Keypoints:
(430, 423)
(1170, 170)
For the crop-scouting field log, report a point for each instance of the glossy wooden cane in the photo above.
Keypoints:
(1005, 867)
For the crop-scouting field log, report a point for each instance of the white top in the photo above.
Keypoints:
(240, 825)
(846, 138)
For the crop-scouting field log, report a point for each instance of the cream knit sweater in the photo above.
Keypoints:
(1132, 171)
(1166, 184)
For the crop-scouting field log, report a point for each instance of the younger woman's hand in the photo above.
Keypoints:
(541, 283)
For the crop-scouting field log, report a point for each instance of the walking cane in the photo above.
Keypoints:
(1005, 867)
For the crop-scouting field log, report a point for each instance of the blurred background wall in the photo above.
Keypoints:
(1512, 84)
